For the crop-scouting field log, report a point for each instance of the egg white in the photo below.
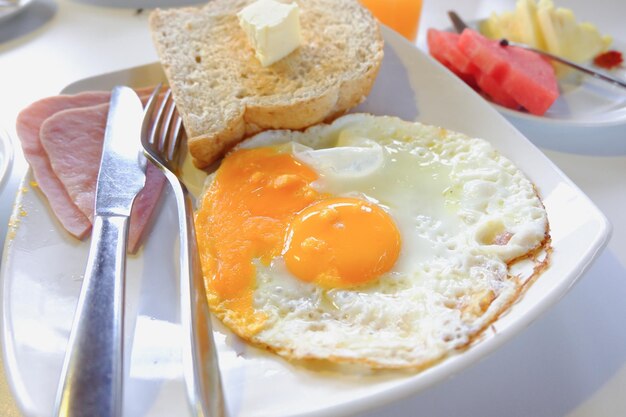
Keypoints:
(451, 197)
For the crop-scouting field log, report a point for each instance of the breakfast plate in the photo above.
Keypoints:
(42, 268)
(12, 11)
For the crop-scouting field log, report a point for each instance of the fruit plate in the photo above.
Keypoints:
(42, 269)
(584, 101)
(589, 116)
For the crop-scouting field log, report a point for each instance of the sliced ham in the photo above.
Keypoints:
(73, 141)
(75, 216)
(144, 207)
(29, 122)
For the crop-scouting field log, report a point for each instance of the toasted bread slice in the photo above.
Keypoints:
(224, 94)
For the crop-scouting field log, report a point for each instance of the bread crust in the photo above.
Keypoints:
(305, 88)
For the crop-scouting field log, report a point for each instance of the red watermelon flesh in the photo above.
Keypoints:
(523, 75)
(494, 90)
(444, 47)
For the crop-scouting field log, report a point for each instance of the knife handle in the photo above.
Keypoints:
(91, 379)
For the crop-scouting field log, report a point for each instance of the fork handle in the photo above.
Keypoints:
(91, 379)
(204, 386)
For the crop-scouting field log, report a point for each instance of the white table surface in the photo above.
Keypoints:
(571, 362)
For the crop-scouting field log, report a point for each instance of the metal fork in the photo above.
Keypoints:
(161, 137)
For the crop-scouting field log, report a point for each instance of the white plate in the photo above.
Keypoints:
(589, 116)
(584, 101)
(6, 156)
(8, 12)
(43, 267)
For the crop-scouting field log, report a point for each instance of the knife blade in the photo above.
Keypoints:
(91, 378)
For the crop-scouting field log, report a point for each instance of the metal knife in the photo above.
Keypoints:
(91, 378)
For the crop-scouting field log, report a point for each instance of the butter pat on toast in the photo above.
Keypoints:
(224, 94)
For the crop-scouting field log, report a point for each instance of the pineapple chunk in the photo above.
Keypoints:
(520, 25)
(543, 26)
(530, 31)
(565, 37)
(499, 26)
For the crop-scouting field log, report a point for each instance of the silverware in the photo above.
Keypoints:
(161, 138)
(460, 25)
(91, 379)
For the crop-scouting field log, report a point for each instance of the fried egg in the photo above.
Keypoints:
(371, 240)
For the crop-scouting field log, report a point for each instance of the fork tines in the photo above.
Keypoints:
(165, 134)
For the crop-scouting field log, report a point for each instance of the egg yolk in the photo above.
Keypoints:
(340, 242)
(260, 205)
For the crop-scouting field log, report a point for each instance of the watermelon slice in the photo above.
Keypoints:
(523, 75)
(493, 89)
(444, 47)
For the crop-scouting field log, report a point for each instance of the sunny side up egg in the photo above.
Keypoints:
(371, 240)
